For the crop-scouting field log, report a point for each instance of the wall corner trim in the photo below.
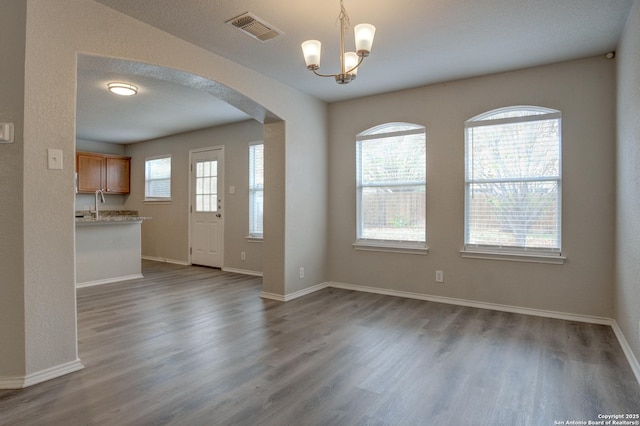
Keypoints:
(633, 361)
(242, 271)
(19, 382)
(272, 296)
(165, 260)
(294, 295)
(109, 280)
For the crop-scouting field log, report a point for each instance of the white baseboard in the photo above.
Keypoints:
(109, 280)
(294, 295)
(474, 304)
(165, 260)
(16, 382)
(272, 296)
(242, 271)
(304, 292)
(20, 382)
(633, 361)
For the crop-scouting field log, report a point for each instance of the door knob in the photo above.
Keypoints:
(218, 215)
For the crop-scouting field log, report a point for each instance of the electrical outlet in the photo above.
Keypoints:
(301, 272)
(243, 256)
(439, 276)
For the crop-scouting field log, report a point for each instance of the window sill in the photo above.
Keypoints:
(514, 257)
(165, 201)
(391, 248)
(252, 239)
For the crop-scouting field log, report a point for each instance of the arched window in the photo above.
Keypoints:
(513, 175)
(391, 186)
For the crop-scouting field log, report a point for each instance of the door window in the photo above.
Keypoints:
(207, 186)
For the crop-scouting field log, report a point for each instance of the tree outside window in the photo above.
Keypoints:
(513, 179)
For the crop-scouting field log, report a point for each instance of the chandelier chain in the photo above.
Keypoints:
(343, 18)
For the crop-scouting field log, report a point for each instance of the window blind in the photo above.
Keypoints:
(513, 180)
(391, 183)
(158, 178)
(256, 189)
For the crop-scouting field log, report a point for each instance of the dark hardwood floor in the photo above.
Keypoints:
(197, 346)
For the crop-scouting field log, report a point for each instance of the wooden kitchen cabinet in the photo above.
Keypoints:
(117, 175)
(111, 173)
(89, 169)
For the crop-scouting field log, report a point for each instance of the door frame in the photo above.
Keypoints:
(221, 194)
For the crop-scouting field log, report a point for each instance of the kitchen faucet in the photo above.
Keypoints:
(101, 192)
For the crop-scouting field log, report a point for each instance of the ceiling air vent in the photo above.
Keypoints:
(254, 26)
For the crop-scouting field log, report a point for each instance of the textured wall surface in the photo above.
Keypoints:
(627, 292)
(584, 91)
(12, 34)
(57, 32)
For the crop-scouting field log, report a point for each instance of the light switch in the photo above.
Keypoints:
(6, 133)
(232, 189)
(55, 159)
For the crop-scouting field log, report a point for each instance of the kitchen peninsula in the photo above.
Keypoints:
(108, 248)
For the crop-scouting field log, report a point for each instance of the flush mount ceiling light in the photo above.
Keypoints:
(122, 89)
(350, 61)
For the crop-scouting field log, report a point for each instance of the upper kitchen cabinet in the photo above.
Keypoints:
(117, 174)
(111, 173)
(89, 168)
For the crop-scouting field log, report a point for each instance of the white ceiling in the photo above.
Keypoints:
(418, 42)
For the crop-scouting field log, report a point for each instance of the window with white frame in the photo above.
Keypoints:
(157, 179)
(391, 186)
(256, 189)
(513, 181)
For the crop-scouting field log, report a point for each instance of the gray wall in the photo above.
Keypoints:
(37, 293)
(58, 32)
(12, 34)
(166, 236)
(627, 291)
(101, 147)
(584, 91)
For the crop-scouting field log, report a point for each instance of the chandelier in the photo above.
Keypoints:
(349, 61)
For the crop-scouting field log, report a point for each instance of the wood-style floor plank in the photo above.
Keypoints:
(197, 346)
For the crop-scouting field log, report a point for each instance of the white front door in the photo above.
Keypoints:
(207, 219)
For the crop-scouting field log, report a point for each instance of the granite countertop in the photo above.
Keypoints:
(85, 216)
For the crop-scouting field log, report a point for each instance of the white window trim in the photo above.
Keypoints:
(514, 256)
(392, 246)
(517, 254)
(157, 200)
(256, 237)
(407, 247)
(494, 122)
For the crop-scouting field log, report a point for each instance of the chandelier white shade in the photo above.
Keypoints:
(349, 61)
(122, 89)
(364, 38)
(311, 51)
